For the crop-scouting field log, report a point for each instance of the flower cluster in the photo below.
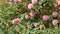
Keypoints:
(33, 14)
(29, 16)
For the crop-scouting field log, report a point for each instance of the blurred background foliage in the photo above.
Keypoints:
(7, 13)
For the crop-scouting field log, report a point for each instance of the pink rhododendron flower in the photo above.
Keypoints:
(45, 17)
(34, 1)
(30, 6)
(58, 2)
(10, 3)
(58, 8)
(54, 22)
(15, 21)
(41, 26)
(54, 14)
(27, 17)
(32, 14)
(36, 24)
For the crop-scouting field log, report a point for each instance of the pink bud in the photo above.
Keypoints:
(15, 21)
(55, 5)
(54, 14)
(41, 26)
(30, 6)
(34, 1)
(10, 3)
(36, 24)
(27, 17)
(19, 0)
(10, 0)
(15, 0)
(32, 14)
(55, 22)
(7, 25)
(45, 17)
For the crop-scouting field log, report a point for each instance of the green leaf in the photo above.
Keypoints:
(0, 29)
(16, 28)
(27, 32)
(1, 32)
(22, 16)
(10, 31)
(22, 26)
(58, 15)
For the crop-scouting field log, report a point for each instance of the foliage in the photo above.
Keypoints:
(19, 10)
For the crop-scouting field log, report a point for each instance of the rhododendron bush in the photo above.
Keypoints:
(29, 16)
